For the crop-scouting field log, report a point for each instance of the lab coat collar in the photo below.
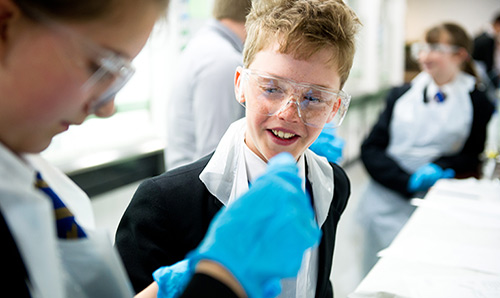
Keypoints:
(225, 175)
(320, 174)
(464, 82)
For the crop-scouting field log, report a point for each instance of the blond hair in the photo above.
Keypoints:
(302, 28)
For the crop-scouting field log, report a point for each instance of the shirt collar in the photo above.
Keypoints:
(15, 166)
(463, 82)
(256, 167)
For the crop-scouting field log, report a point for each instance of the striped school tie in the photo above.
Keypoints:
(67, 227)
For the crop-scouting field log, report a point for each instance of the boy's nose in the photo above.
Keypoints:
(290, 111)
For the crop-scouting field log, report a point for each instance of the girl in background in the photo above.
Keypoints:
(432, 128)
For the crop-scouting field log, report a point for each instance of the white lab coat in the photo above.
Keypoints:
(57, 268)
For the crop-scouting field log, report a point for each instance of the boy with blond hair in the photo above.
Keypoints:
(297, 58)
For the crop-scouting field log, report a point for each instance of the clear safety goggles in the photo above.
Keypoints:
(111, 73)
(270, 95)
(426, 48)
(106, 71)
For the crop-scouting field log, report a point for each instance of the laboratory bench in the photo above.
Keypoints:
(450, 246)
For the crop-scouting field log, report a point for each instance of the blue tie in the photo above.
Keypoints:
(67, 227)
(440, 96)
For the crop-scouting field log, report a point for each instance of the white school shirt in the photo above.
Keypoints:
(28, 214)
(227, 174)
(57, 268)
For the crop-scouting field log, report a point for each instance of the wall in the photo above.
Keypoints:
(473, 15)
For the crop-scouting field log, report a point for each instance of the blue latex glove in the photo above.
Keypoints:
(328, 145)
(172, 280)
(262, 236)
(426, 176)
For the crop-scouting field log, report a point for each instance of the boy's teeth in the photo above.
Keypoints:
(283, 135)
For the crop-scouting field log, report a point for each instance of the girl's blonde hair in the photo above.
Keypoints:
(302, 28)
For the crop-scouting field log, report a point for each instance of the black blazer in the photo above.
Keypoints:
(484, 50)
(14, 276)
(169, 216)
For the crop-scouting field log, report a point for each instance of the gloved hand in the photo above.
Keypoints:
(425, 177)
(172, 280)
(328, 145)
(262, 236)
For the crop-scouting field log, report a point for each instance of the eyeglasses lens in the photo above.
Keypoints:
(110, 77)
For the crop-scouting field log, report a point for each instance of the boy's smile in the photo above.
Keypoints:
(284, 137)
(267, 135)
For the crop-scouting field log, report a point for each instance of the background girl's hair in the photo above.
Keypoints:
(458, 37)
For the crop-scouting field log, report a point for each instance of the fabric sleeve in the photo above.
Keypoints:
(143, 236)
(202, 285)
(167, 217)
(466, 162)
(380, 166)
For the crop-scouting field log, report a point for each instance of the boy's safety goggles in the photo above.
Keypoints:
(270, 95)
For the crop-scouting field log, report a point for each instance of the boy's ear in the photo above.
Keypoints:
(335, 110)
(238, 88)
(8, 13)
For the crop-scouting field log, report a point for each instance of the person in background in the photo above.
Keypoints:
(201, 105)
(297, 57)
(431, 129)
(61, 61)
(487, 51)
